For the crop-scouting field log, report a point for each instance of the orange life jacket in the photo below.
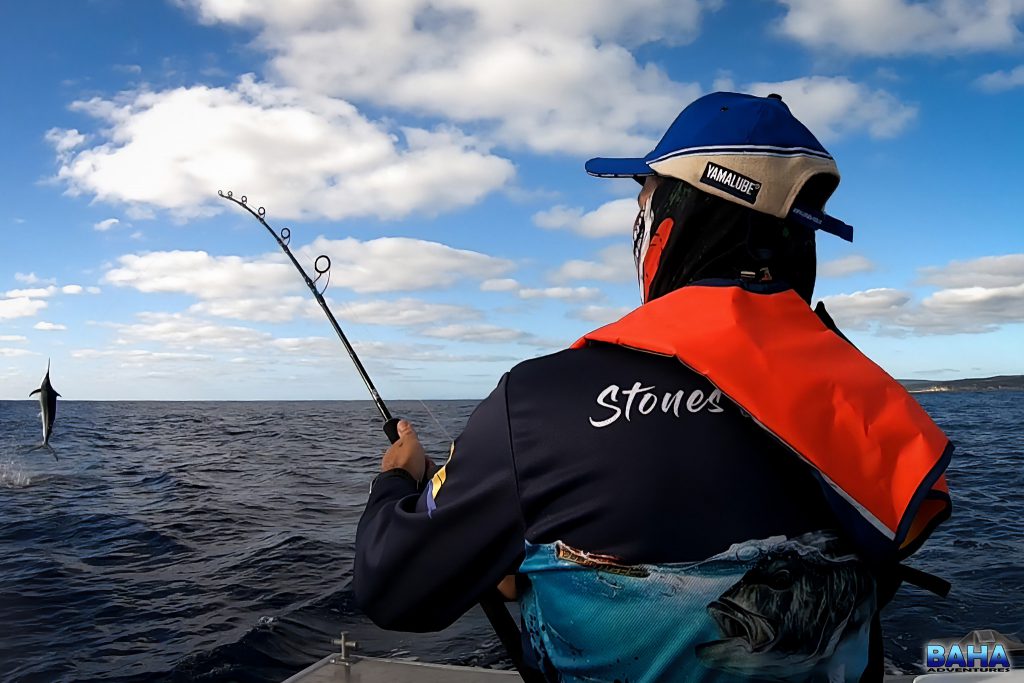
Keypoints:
(878, 451)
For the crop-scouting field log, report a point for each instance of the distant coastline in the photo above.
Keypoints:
(998, 383)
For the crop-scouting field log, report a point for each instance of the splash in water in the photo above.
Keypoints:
(12, 476)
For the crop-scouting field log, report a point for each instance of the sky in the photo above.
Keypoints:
(434, 150)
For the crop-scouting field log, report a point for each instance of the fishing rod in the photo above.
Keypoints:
(491, 602)
(390, 423)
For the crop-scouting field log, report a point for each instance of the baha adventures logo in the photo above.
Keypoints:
(962, 657)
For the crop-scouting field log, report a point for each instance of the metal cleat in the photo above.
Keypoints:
(345, 644)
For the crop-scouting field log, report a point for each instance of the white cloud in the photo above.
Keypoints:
(998, 81)
(264, 288)
(299, 154)
(402, 312)
(859, 309)
(185, 332)
(202, 275)
(988, 271)
(393, 264)
(847, 265)
(615, 264)
(995, 298)
(64, 141)
(141, 358)
(21, 307)
(49, 327)
(188, 336)
(72, 289)
(106, 224)
(423, 353)
(477, 333)
(636, 22)
(316, 347)
(12, 338)
(893, 27)
(601, 315)
(564, 293)
(506, 284)
(13, 353)
(35, 293)
(614, 218)
(263, 309)
(30, 279)
(504, 64)
(834, 107)
(968, 309)
(93, 290)
(558, 217)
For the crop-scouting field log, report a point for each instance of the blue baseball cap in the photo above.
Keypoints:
(747, 150)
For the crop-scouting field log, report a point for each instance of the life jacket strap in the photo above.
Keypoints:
(924, 580)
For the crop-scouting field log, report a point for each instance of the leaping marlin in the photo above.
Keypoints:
(48, 403)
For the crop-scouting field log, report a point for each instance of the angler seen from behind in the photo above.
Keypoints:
(717, 487)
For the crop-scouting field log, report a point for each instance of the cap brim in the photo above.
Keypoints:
(604, 167)
(819, 220)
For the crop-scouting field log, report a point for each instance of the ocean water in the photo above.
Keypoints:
(214, 541)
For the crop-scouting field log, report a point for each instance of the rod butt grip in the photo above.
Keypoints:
(391, 429)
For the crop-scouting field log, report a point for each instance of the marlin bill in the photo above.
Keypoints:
(48, 406)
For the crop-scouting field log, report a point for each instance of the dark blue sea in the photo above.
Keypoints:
(214, 541)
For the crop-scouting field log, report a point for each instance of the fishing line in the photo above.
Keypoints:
(439, 425)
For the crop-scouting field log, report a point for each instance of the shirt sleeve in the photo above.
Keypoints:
(423, 558)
